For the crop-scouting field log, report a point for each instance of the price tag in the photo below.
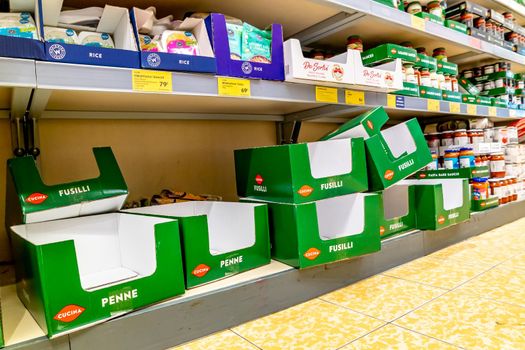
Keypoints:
(234, 87)
(472, 109)
(354, 97)
(151, 81)
(326, 94)
(433, 105)
(493, 112)
(454, 107)
(395, 101)
(418, 23)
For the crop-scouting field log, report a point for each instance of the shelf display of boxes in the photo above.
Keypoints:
(398, 209)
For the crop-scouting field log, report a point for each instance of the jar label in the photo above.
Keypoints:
(497, 166)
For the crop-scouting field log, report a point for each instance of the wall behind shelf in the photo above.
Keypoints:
(5, 154)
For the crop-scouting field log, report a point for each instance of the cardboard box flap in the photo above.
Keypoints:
(329, 158)
(231, 226)
(110, 248)
(394, 134)
(396, 201)
(198, 27)
(365, 126)
(452, 190)
(341, 216)
(40, 202)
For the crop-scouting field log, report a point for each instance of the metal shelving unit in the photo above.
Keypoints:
(208, 309)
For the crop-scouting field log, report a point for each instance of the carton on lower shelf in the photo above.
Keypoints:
(219, 239)
(398, 209)
(325, 231)
(440, 202)
(77, 272)
(393, 154)
(301, 173)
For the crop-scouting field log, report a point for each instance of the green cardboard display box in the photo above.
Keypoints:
(325, 231)
(497, 102)
(430, 17)
(484, 204)
(457, 26)
(471, 99)
(219, 239)
(409, 89)
(468, 86)
(301, 173)
(494, 76)
(398, 209)
(484, 101)
(452, 96)
(392, 154)
(429, 92)
(29, 199)
(388, 52)
(462, 173)
(499, 91)
(74, 273)
(441, 202)
(447, 67)
(424, 61)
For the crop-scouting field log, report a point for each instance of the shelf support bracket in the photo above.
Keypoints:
(288, 132)
(20, 100)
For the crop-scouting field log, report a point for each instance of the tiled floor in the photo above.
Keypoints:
(467, 296)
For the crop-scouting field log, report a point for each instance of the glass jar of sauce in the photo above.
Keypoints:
(497, 165)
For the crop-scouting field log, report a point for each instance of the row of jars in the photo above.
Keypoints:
(429, 78)
(506, 189)
(490, 27)
(462, 137)
(436, 8)
(476, 72)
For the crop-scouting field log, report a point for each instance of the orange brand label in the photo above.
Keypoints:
(305, 191)
(483, 204)
(312, 253)
(422, 176)
(36, 198)
(201, 270)
(441, 220)
(389, 175)
(69, 313)
(381, 230)
(370, 125)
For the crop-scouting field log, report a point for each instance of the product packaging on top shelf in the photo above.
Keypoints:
(20, 30)
(218, 239)
(108, 35)
(266, 65)
(466, 6)
(447, 67)
(392, 154)
(430, 17)
(424, 61)
(457, 26)
(440, 202)
(388, 52)
(325, 231)
(346, 68)
(301, 173)
(398, 210)
(86, 268)
(172, 45)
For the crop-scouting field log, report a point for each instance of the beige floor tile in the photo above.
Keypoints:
(383, 297)
(516, 262)
(473, 253)
(391, 337)
(501, 284)
(437, 272)
(315, 324)
(226, 340)
(470, 322)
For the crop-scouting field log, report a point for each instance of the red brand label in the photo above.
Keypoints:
(259, 179)
(370, 124)
(312, 253)
(441, 220)
(389, 175)
(305, 191)
(381, 230)
(422, 176)
(69, 313)
(36, 198)
(201, 270)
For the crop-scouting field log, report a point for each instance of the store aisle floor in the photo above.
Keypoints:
(468, 296)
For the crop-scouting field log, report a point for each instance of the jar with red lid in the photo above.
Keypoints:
(509, 16)
(495, 189)
(407, 44)
(440, 54)
(447, 138)
(417, 73)
(513, 186)
(497, 165)
(460, 137)
(354, 42)
(433, 140)
(485, 160)
(435, 8)
(476, 136)
(479, 23)
(422, 51)
(513, 37)
(454, 83)
(480, 189)
(479, 160)
(504, 199)
(467, 19)
(489, 27)
(425, 78)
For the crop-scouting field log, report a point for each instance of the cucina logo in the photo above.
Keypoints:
(370, 124)
(422, 176)
(36, 198)
(201, 270)
(312, 253)
(69, 313)
(394, 51)
(423, 91)
(483, 204)
(441, 220)
(389, 175)
(259, 179)
(305, 191)
(381, 230)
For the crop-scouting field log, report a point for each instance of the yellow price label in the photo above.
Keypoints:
(454, 107)
(391, 101)
(151, 81)
(418, 23)
(472, 109)
(433, 105)
(234, 87)
(354, 97)
(326, 94)
(493, 112)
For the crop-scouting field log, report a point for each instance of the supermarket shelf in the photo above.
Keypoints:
(253, 294)
(502, 6)
(17, 79)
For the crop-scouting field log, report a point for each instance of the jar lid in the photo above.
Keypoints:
(461, 130)
(451, 151)
(475, 130)
(494, 180)
(480, 179)
(447, 132)
(466, 149)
